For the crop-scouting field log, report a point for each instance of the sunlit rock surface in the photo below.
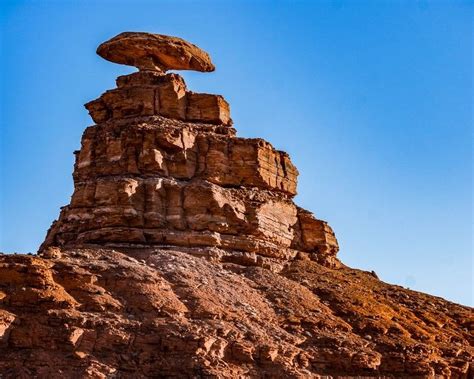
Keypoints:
(183, 255)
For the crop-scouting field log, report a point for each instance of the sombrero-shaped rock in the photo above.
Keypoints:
(155, 52)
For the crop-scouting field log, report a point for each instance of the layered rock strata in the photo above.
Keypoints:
(163, 166)
(183, 255)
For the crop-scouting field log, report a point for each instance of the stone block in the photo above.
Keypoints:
(172, 97)
(98, 110)
(140, 79)
(150, 93)
(131, 102)
(207, 108)
(316, 235)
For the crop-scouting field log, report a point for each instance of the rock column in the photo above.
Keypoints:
(163, 167)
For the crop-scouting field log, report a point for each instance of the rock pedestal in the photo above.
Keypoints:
(163, 166)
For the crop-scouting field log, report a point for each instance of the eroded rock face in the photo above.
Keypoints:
(155, 52)
(183, 254)
(151, 93)
(175, 312)
(163, 166)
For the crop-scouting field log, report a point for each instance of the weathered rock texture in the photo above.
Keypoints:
(167, 312)
(155, 52)
(163, 166)
(182, 254)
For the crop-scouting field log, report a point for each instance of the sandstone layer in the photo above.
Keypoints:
(183, 255)
(163, 166)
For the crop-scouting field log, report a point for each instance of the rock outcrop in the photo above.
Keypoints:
(162, 312)
(182, 254)
(163, 166)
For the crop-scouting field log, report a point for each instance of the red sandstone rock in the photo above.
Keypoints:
(182, 254)
(317, 236)
(168, 312)
(155, 52)
(149, 93)
(206, 108)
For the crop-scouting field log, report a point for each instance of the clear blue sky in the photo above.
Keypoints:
(372, 100)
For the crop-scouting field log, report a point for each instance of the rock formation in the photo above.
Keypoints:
(155, 52)
(182, 254)
(163, 166)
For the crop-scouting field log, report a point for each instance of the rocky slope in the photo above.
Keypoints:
(182, 254)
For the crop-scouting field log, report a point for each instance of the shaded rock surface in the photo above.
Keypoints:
(182, 254)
